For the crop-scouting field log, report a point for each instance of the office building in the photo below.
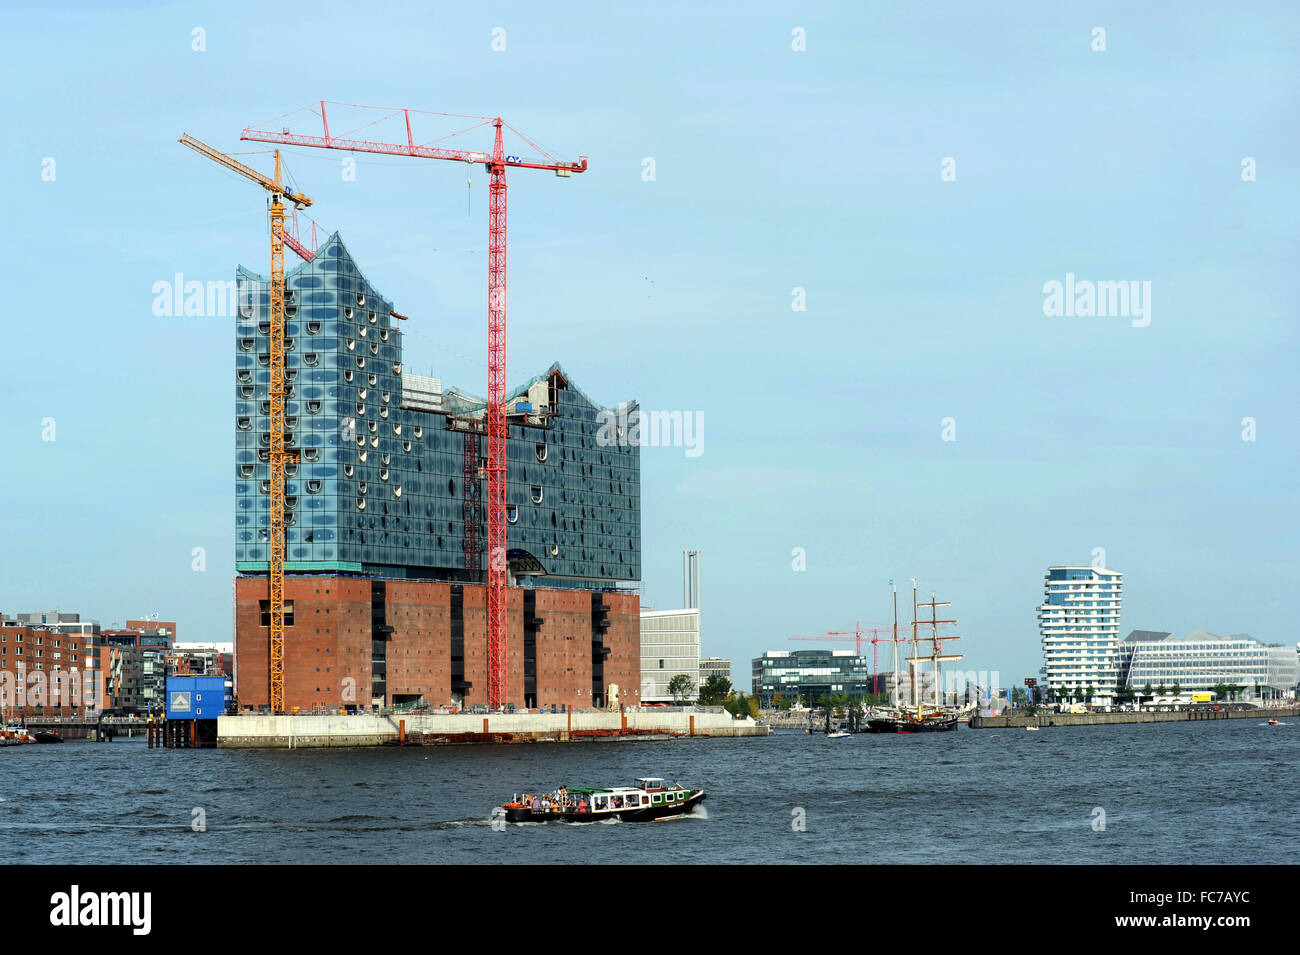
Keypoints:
(670, 646)
(1201, 661)
(714, 666)
(808, 675)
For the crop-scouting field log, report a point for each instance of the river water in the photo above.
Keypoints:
(1205, 792)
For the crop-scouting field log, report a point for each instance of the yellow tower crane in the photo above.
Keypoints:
(278, 454)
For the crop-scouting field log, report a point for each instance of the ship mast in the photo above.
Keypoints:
(936, 647)
(895, 643)
(916, 697)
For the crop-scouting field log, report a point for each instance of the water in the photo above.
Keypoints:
(1212, 792)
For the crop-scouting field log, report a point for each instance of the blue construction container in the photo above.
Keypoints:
(197, 697)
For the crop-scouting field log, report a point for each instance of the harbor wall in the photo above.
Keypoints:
(304, 731)
(1102, 719)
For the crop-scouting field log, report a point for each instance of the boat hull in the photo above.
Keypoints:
(640, 814)
(888, 725)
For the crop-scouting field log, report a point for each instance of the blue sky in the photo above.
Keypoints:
(775, 169)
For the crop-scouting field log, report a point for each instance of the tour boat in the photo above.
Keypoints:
(649, 799)
(15, 735)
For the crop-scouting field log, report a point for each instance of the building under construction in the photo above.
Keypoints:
(385, 594)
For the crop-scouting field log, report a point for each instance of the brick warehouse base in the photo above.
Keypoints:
(353, 640)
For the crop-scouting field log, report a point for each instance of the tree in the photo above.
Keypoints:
(739, 705)
(715, 691)
(681, 687)
(1147, 691)
(1177, 689)
(1162, 690)
(778, 701)
(1088, 692)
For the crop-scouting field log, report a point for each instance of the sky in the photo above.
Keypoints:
(822, 231)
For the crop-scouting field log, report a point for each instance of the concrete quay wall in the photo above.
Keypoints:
(304, 731)
(1102, 719)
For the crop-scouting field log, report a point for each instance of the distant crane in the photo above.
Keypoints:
(278, 455)
(497, 432)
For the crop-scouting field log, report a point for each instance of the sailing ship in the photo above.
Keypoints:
(916, 716)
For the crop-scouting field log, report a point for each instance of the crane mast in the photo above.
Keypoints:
(496, 425)
(278, 455)
(497, 431)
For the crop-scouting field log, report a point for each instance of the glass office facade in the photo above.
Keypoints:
(809, 675)
(1199, 662)
(380, 487)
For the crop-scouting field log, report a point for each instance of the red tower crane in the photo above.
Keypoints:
(495, 163)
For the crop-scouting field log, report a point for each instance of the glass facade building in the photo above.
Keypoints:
(809, 675)
(387, 480)
(1078, 623)
(1199, 662)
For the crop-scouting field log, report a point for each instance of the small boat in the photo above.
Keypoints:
(649, 799)
(838, 734)
(1031, 729)
(48, 737)
(1273, 721)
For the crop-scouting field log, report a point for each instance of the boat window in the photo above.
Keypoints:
(658, 799)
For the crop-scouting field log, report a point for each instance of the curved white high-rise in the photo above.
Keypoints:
(1078, 622)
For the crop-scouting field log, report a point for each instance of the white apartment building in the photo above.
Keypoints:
(1078, 623)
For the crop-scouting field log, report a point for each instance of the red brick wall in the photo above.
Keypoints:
(20, 697)
(564, 649)
(419, 653)
(152, 624)
(327, 646)
(332, 628)
(623, 665)
(476, 671)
